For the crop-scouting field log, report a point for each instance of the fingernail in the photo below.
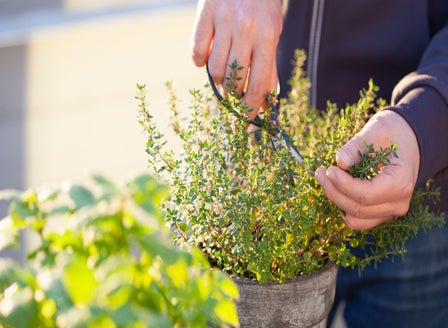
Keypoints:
(320, 172)
(342, 158)
(332, 173)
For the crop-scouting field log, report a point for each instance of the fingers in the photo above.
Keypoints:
(262, 80)
(240, 53)
(203, 32)
(245, 31)
(367, 203)
(349, 154)
(219, 56)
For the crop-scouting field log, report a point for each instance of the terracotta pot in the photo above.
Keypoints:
(301, 302)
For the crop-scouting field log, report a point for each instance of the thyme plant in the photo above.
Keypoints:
(231, 194)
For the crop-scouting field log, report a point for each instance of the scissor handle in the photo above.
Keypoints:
(256, 121)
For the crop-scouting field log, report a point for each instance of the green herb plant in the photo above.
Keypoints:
(104, 258)
(231, 194)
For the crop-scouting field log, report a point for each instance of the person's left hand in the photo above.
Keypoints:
(369, 203)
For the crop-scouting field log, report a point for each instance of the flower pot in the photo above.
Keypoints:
(301, 302)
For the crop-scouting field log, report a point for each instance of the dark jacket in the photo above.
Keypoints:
(401, 44)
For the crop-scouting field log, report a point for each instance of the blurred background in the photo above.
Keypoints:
(68, 75)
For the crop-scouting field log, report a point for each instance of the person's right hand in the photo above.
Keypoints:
(247, 31)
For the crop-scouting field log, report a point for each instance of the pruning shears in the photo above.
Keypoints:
(277, 135)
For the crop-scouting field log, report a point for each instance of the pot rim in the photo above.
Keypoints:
(328, 268)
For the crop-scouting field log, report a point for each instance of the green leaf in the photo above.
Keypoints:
(227, 286)
(81, 196)
(154, 246)
(11, 195)
(148, 193)
(19, 309)
(9, 236)
(59, 210)
(226, 311)
(19, 212)
(8, 272)
(184, 227)
(47, 194)
(125, 315)
(143, 317)
(79, 280)
(178, 273)
(57, 291)
(109, 187)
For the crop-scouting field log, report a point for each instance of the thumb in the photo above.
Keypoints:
(349, 154)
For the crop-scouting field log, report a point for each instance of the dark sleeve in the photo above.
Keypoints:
(422, 99)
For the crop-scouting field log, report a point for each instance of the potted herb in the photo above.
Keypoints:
(103, 258)
(232, 196)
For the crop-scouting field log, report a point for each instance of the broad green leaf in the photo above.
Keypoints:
(178, 273)
(81, 196)
(226, 285)
(48, 308)
(148, 193)
(18, 308)
(121, 294)
(124, 315)
(109, 187)
(203, 287)
(79, 280)
(153, 245)
(56, 291)
(19, 212)
(226, 312)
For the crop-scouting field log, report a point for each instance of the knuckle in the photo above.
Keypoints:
(358, 211)
(197, 56)
(408, 189)
(225, 14)
(358, 224)
(217, 75)
(268, 35)
(402, 210)
(245, 24)
(353, 224)
(256, 92)
(366, 199)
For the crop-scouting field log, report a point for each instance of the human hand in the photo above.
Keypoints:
(369, 203)
(247, 31)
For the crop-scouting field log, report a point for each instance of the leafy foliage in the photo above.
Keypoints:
(231, 195)
(372, 161)
(104, 259)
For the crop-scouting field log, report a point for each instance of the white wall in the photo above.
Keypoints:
(67, 87)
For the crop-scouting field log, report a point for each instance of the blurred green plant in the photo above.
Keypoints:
(104, 259)
(231, 194)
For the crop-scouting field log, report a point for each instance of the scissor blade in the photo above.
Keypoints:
(286, 143)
